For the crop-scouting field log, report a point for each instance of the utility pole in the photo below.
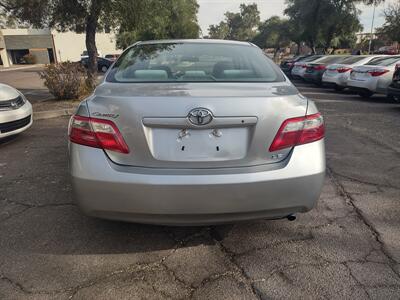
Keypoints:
(372, 30)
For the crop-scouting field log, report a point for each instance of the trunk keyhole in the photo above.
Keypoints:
(217, 148)
(183, 148)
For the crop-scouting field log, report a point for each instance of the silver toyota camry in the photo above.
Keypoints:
(192, 132)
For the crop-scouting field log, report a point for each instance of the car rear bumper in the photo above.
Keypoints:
(334, 80)
(15, 121)
(187, 197)
(361, 85)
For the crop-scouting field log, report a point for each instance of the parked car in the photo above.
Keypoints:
(299, 68)
(315, 70)
(222, 139)
(287, 65)
(103, 64)
(15, 111)
(336, 75)
(112, 57)
(85, 54)
(394, 88)
(373, 78)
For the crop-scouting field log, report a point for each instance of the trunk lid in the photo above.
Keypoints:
(153, 120)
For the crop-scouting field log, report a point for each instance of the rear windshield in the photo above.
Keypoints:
(194, 62)
(386, 61)
(311, 58)
(352, 60)
(332, 59)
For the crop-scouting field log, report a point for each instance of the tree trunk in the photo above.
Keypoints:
(92, 52)
(92, 22)
(298, 48)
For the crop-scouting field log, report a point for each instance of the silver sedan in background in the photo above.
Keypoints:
(191, 132)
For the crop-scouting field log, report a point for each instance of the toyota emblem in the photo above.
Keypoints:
(200, 116)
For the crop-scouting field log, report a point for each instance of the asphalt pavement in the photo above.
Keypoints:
(346, 248)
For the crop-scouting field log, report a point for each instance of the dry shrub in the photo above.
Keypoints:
(66, 80)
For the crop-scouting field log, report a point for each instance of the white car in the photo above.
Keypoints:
(15, 111)
(337, 75)
(299, 67)
(374, 77)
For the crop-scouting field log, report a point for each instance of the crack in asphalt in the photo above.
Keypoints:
(343, 193)
(29, 207)
(377, 185)
(231, 258)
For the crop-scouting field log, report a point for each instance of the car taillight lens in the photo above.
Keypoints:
(97, 133)
(319, 68)
(377, 72)
(343, 70)
(299, 131)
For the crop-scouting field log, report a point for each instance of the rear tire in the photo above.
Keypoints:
(365, 94)
(393, 98)
(339, 88)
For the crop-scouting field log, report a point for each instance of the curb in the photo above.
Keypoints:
(40, 115)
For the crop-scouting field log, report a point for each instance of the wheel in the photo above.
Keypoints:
(393, 98)
(104, 69)
(365, 94)
(339, 88)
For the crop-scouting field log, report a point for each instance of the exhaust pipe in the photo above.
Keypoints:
(291, 218)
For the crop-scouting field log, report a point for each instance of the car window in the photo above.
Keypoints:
(312, 58)
(332, 59)
(352, 60)
(194, 62)
(386, 61)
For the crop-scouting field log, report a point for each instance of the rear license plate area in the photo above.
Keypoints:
(197, 145)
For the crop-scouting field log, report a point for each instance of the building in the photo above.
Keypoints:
(48, 46)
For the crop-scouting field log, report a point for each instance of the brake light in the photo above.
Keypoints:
(97, 133)
(319, 68)
(377, 72)
(343, 70)
(299, 131)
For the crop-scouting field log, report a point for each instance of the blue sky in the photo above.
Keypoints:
(212, 11)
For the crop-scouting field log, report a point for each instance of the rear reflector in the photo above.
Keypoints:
(299, 131)
(97, 133)
(377, 72)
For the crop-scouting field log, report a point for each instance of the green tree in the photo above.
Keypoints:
(240, 26)
(324, 23)
(220, 31)
(87, 16)
(157, 19)
(273, 33)
(391, 28)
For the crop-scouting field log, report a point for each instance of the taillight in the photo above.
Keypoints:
(299, 131)
(319, 68)
(97, 133)
(343, 70)
(377, 72)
